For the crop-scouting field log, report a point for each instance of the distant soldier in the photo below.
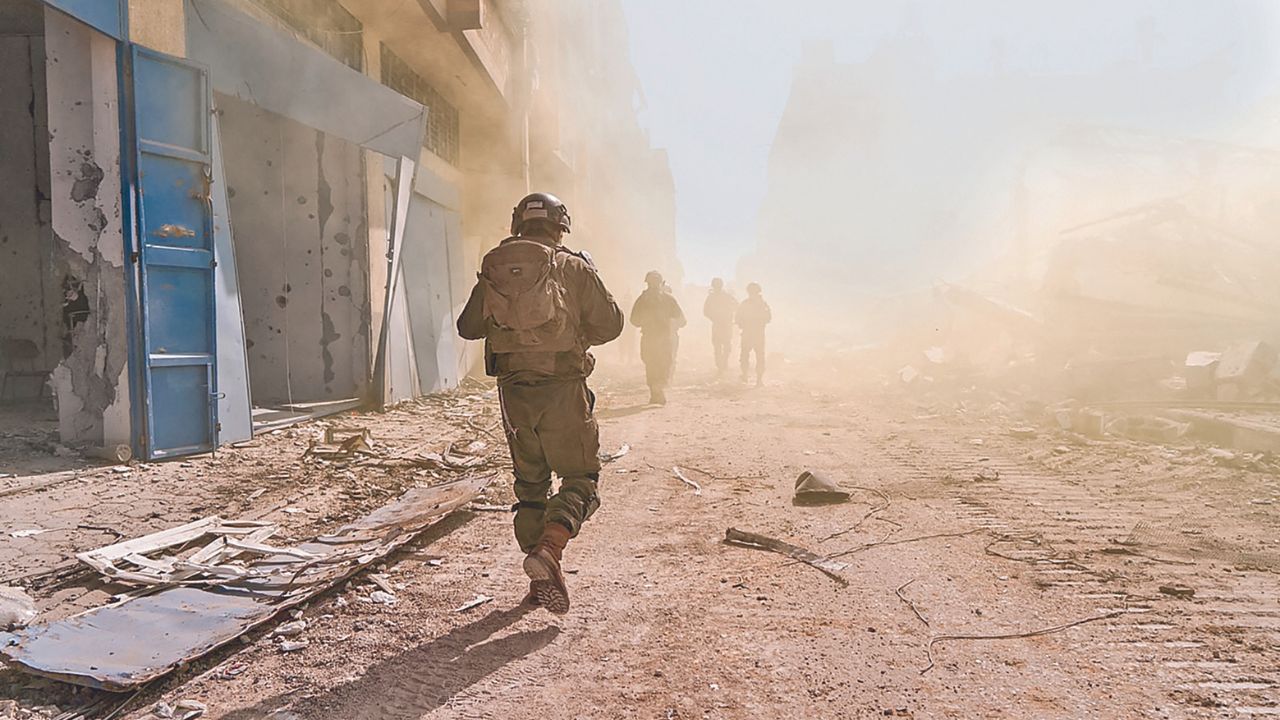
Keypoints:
(659, 318)
(539, 306)
(753, 315)
(719, 308)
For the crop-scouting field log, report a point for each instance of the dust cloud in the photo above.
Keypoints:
(1071, 197)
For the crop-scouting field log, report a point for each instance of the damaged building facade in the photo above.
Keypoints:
(230, 214)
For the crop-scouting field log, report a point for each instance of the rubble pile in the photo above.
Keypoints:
(1154, 325)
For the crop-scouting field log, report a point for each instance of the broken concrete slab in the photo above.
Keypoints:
(1199, 370)
(1249, 432)
(1243, 371)
(123, 645)
(1148, 428)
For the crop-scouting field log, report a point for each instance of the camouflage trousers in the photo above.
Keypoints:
(551, 428)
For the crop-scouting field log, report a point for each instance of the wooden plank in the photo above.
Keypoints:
(150, 543)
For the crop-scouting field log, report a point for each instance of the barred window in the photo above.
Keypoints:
(325, 23)
(443, 134)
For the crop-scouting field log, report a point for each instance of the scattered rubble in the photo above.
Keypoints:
(17, 609)
(181, 710)
(119, 647)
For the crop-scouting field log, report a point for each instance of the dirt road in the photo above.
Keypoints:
(957, 526)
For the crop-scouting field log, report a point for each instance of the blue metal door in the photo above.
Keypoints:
(173, 161)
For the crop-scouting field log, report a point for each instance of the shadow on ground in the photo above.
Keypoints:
(417, 681)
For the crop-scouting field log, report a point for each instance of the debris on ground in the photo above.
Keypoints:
(119, 646)
(292, 628)
(1015, 635)
(697, 489)
(342, 444)
(289, 646)
(181, 710)
(1183, 592)
(815, 489)
(17, 609)
(129, 561)
(831, 568)
(115, 454)
(606, 458)
(475, 602)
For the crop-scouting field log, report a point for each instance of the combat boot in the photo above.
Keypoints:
(531, 597)
(542, 565)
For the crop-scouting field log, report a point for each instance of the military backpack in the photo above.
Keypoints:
(525, 299)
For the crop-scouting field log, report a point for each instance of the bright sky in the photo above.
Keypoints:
(716, 75)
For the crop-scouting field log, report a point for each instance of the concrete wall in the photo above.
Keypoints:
(90, 384)
(29, 298)
(159, 25)
(298, 221)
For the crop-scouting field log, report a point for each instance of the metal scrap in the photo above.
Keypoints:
(831, 568)
(129, 561)
(126, 644)
(342, 444)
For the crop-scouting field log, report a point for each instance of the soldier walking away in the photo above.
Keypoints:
(539, 307)
(659, 318)
(719, 308)
(753, 315)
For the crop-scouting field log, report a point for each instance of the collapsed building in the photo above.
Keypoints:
(229, 214)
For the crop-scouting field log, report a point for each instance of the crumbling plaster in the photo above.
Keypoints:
(88, 242)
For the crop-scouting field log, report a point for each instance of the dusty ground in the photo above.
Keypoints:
(984, 532)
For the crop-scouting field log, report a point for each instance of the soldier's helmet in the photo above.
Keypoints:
(540, 206)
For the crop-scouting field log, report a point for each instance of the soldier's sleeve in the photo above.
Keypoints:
(471, 322)
(637, 311)
(677, 314)
(599, 315)
(768, 314)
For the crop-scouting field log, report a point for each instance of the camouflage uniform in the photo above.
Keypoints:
(719, 309)
(547, 408)
(753, 315)
(659, 318)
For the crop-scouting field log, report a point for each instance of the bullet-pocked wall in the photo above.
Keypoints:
(29, 298)
(298, 220)
(88, 257)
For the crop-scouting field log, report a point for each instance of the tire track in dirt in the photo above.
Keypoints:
(1214, 653)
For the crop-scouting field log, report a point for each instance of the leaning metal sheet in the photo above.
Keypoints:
(275, 71)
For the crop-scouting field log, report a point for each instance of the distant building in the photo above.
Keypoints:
(911, 165)
(206, 197)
